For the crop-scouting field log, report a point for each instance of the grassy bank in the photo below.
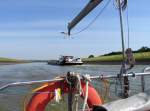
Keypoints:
(8, 60)
(140, 57)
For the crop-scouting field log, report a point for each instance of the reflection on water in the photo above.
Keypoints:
(12, 99)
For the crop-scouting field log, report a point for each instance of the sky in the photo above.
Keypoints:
(30, 29)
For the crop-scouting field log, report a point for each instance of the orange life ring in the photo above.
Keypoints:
(39, 101)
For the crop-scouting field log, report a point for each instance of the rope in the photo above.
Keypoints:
(106, 85)
(79, 87)
(87, 79)
(79, 91)
(130, 60)
(101, 11)
(123, 4)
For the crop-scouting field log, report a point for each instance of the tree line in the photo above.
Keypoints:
(142, 49)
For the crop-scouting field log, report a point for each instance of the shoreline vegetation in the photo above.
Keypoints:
(141, 58)
(8, 61)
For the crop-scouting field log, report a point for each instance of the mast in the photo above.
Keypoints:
(123, 67)
(122, 32)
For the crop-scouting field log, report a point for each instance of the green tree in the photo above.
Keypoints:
(144, 49)
(91, 56)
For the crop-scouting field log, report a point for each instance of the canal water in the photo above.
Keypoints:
(12, 99)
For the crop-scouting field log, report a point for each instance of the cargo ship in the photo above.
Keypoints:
(69, 60)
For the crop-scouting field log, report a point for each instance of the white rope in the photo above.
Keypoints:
(79, 84)
(87, 78)
(79, 91)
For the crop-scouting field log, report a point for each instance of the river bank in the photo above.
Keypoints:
(114, 62)
(11, 63)
(7, 61)
(140, 58)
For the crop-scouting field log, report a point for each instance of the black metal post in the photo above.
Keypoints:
(70, 95)
(143, 83)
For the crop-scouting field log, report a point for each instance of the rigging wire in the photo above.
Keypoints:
(128, 26)
(101, 11)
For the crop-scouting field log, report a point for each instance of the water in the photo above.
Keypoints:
(38, 71)
(12, 99)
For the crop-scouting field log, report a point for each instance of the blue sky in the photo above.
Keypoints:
(30, 29)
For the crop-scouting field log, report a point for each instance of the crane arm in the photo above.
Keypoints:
(84, 12)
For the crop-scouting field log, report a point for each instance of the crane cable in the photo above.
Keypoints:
(101, 11)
